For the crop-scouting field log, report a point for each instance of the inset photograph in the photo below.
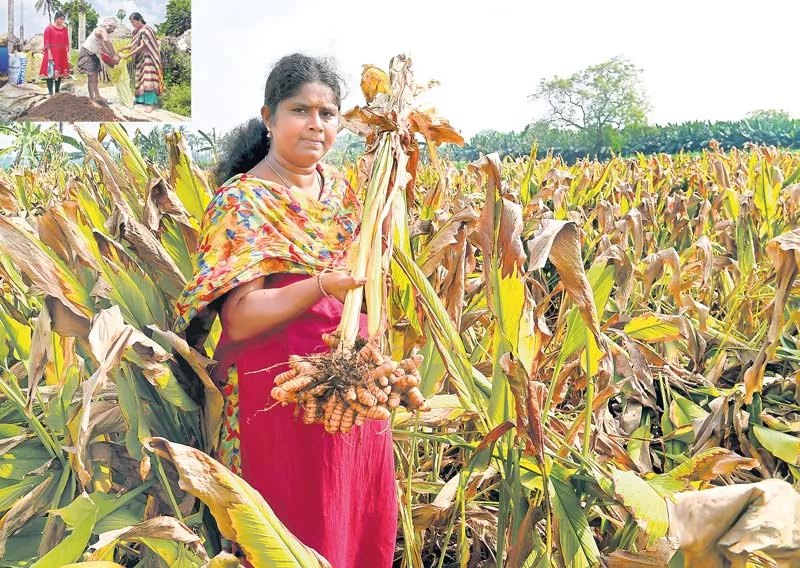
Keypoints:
(96, 61)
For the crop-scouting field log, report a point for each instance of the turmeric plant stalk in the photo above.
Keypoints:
(368, 247)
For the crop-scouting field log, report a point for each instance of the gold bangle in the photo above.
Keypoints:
(321, 289)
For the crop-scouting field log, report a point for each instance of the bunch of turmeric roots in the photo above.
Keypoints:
(343, 389)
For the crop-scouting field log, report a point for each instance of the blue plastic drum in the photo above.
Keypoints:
(3, 60)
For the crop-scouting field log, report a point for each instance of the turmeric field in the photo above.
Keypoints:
(595, 338)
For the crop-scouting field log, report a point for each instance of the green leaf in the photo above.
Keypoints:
(639, 442)
(578, 547)
(443, 332)
(10, 430)
(58, 409)
(119, 519)
(649, 327)
(130, 404)
(682, 412)
(174, 554)
(12, 493)
(174, 243)
(643, 503)
(132, 159)
(666, 486)
(525, 187)
(780, 445)
(766, 199)
(139, 300)
(190, 185)
(80, 515)
(22, 549)
(18, 335)
(432, 369)
(601, 279)
(21, 460)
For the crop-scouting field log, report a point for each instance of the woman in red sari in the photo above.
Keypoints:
(273, 262)
(55, 64)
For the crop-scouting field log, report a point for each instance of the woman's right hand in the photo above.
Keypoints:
(338, 284)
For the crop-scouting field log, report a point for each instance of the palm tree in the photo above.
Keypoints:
(41, 5)
(21, 22)
(11, 35)
(81, 23)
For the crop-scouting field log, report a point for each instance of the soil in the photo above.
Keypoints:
(3, 82)
(65, 107)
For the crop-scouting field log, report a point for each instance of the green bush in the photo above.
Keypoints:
(177, 65)
(178, 98)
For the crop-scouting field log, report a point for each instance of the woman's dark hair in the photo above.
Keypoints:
(136, 16)
(249, 143)
(59, 15)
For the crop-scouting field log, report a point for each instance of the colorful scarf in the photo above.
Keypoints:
(149, 76)
(254, 228)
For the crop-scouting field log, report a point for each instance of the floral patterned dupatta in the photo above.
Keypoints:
(254, 228)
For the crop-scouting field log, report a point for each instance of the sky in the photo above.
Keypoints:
(153, 12)
(700, 59)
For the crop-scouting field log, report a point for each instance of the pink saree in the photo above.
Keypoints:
(335, 493)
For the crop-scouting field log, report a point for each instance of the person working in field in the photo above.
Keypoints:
(97, 45)
(147, 59)
(272, 261)
(55, 63)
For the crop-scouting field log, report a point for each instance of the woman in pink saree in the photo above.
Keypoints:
(273, 262)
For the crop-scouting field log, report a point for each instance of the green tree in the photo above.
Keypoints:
(121, 15)
(72, 11)
(179, 18)
(596, 100)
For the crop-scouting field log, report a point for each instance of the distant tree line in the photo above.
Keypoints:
(761, 127)
(771, 128)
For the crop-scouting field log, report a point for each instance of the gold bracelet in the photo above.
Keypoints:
(321, 289)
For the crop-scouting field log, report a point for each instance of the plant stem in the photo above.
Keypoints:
(373, 205)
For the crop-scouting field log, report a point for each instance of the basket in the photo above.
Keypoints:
(110, 60)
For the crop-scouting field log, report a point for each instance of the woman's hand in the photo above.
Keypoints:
(338, 284)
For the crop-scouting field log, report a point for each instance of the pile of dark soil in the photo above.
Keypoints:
(65, 107)
(3, 82)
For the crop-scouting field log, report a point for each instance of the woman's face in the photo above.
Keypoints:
(60, 22)
(304, 126)
(136, 24)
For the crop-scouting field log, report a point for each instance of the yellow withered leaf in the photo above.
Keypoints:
(241, 512)
(373, 81)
